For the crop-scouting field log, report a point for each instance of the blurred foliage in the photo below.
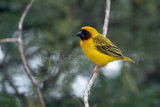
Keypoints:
(53, 51)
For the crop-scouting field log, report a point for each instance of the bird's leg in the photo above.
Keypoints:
(94, 66)
(97, 69)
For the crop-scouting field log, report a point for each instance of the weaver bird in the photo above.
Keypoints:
(99, 49)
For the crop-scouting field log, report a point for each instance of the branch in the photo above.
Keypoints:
(77, 100)
(106, 19)
(95, 74)
(13, 40)
(21, 51)
(20, 96)
(20, 24)
(87, 90)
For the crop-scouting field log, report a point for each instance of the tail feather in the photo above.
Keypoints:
(128, 59)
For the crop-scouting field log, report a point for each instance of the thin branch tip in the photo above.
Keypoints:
(20, 23)
(106, 19)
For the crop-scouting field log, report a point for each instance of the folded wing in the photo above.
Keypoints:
(104, 45)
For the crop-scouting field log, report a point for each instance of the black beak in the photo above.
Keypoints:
(80, 34)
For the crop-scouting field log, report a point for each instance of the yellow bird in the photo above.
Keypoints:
(99, 49)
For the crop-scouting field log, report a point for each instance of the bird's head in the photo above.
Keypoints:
(87, 32)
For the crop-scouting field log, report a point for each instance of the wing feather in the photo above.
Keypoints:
(105, 46)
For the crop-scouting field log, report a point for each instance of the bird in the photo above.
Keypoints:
(99, 49)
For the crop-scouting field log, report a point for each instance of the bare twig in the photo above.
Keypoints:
(106, 19)
(21, 51)
(20, 95)
(28, 72)
(8, 40)
(77, 100)
(20, 24)
(94, 76)
(42, 80)
(87, 90)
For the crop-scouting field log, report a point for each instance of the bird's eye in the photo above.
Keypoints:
(84, 32)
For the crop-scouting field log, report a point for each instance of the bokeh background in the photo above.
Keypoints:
(53, 52)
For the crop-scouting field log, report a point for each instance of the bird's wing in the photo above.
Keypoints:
(105, 46)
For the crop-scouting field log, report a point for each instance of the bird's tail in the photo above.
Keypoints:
(128, 59)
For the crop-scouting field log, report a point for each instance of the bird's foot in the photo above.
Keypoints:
(94, 65)
(96, 70)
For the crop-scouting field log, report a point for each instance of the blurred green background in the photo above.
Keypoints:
(52, 50)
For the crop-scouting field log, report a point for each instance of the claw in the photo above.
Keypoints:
(94, 65)
(97, 70)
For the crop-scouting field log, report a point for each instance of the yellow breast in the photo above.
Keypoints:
(94, 55)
